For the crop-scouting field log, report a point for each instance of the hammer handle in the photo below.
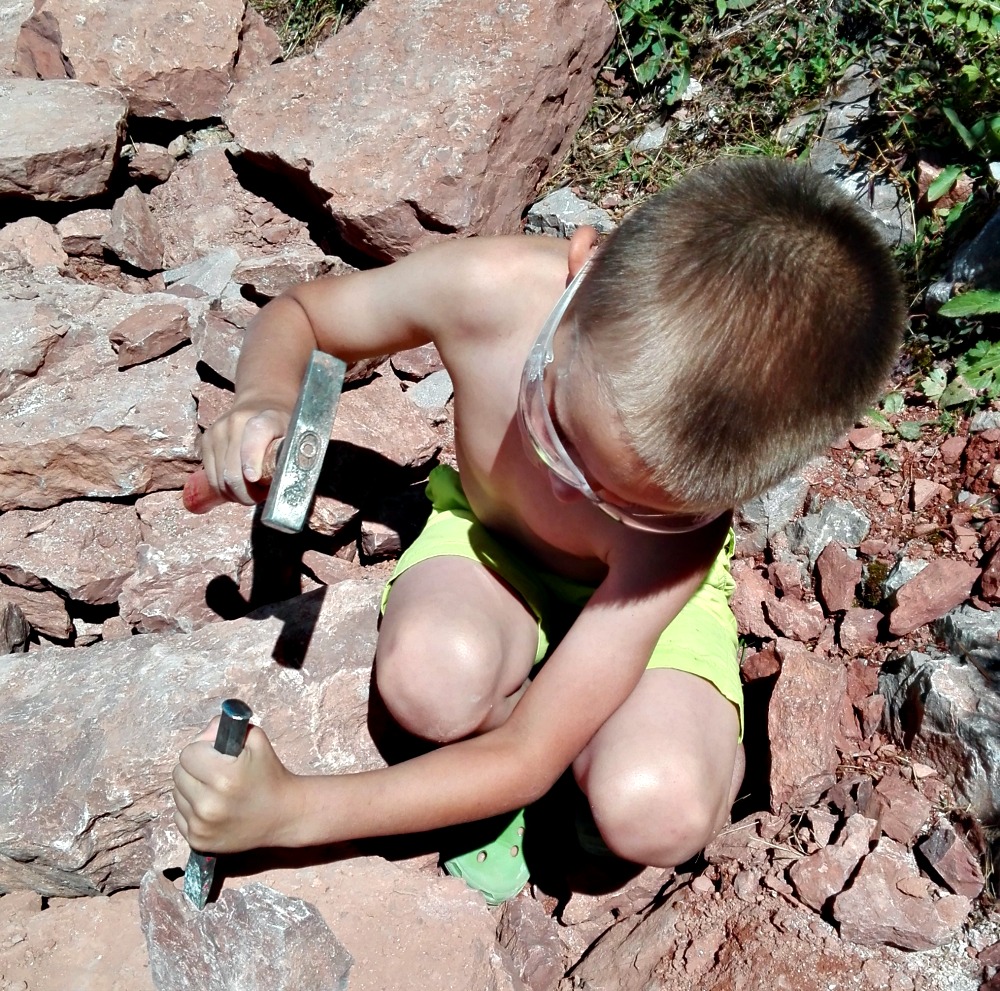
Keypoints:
(200, 497)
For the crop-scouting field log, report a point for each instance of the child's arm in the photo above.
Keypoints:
(228, 804)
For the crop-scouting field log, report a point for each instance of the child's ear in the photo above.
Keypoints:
(581, 246)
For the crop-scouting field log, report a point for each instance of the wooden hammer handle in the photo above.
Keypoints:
(199, 497)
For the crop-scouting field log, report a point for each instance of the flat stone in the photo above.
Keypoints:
(61, 138)
(769, 513)
(172, 61)
(820, 876)
(271, 276)
(562, 212)
(260, 45)
(432, 392)
(134, 236)
(795, 619)
(859, 629)
(86, 788)
(35, 241)
(837, 577)
(150, 163)
(760, 664)
(45, 612)
(452, 136)
(865, 438)
(834, 520)
(873, 911)
(952, 861)
(939, 587)
(924, 492)
(801, 733)
(150, 333)
(747, 601)
(990, 580)
(83, 549)
(83, 232)
(905, 809)
(32, 329)
(417, 363)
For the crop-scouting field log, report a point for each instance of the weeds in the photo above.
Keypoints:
(303, 23)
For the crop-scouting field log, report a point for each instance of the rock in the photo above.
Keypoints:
(759, 664)
(837, 577)
(14, 628)
(561, 212)
(270, 277)
(801, 724)
(902, 571)
(986, 419)
(82, 549)
(150, 163)
(35, 241)
(189, 570)
(432, 392)
(253, 938)
(941, 586)
(924, 492)
(61, 139)
(747, 601)
(834, 520)
(210, 275)
(452, 136)
(768, 514)
(150, 333)
(417, 363)
(32, 330)
(83, 232)
(45, 612)
(820, 876)
(905, 809)
(134, 237)
(795, 619)
(87, 803)
(865, 438)
(260, 46)
(531, 938)
(789, 578)
(945, 712)
(990, 580)
(859, 629)
(970, 631)
(874, 911)
(173, 60)
(953, 862)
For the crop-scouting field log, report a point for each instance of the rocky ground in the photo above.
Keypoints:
(148, 206)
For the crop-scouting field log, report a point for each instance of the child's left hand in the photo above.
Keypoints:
(228, 804)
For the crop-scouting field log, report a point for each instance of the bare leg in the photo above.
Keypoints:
(455, 649)
(662, 773)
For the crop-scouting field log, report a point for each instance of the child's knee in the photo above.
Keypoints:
(655, 816)
(437, 683)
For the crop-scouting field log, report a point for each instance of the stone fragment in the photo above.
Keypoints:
(834, 520)
(561, 212)
(35, 241)
(873, 911)
(260, 45)
(83, 549)
(433, 392)
(924, 492)
(86, 790)
(905, 809)
(45, 612)
(189, 569)
(466, 115)
(990, 580)
(531, 937)
(865, 438)
(952, 861)
(870, 712)
(60, 139)
(795, 619)
(150, 163)
(33, 329)
(837, 577)
(769, 513)
(328, 569)
(946, 713)
(253, 938)
(760, 664)
(859, 629)
(970, 631)
(941, 586)
(821, 875)
(271, 276)
(417, 363)
(209, 275)
(752, 591)
(951, 450)
(134, 236)
(83, 232)
(150, 333)
(14, 628)
(801, 723)
(905, 569)
(172, 61)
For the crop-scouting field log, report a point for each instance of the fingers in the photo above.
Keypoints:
(259, 434)
(235, 457)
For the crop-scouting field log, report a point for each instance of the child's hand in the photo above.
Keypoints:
(228, 804)
(238, 454)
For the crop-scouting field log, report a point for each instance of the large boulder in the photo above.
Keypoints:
(452, 133)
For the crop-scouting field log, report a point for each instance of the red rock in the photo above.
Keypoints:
(904, 808)
(865, 438)
(452, 136)
(820, 876)
(990, 581)
(837, 577)
(953, 862)
(747, 602)
(150, 162)
(45, 612)
(801, 722)
(134, 236)
(83, 232)
(760, 664)
(873, 911)
(951, 450)
(941, 586)
(530, 936)
(924, 492)
(870, 712)
(795, 619)
(417, 363)
(173, 60)
(60, 139)
(35, 241)
(260, 45)
(150, 333)
(858, 629)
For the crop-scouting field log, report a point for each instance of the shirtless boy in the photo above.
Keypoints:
(728, 330)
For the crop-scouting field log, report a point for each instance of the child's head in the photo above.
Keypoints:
(738, 322)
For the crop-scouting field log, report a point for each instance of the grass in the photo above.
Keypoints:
(302, 24)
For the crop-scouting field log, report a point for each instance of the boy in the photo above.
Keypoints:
(729, 329)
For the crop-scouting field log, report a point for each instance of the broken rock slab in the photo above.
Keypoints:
(823, 874)
(938, 588)
(452, 136)
(89, 737)
(172, 60)
(946, 713)
(60, 138)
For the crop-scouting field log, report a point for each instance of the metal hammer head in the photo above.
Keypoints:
(304, 447)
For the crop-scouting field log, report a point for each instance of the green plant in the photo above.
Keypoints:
(301, 23)
(873, 584)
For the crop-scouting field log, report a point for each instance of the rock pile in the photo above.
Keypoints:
(151, 200)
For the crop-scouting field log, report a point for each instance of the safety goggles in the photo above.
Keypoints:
(540, 429)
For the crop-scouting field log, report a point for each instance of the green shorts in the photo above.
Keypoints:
(701, 640)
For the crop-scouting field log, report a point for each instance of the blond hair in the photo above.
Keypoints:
(739, 321)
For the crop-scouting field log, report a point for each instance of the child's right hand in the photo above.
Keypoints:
(238, 455)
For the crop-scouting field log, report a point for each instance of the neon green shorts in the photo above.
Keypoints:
(701, 640)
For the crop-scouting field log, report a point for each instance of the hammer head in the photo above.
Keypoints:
(304, 447)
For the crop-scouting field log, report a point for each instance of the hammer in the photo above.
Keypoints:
(292, 464)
